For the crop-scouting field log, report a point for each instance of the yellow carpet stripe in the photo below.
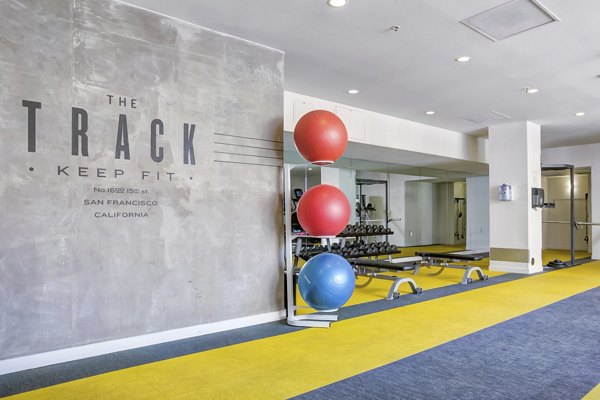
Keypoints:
(594, 394)
(378, 289)
(291, 364)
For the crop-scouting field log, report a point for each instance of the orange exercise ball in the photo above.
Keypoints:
(320, 137)
(323, 210)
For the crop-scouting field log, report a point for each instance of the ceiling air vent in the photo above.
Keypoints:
(487, 118)
(510, 19)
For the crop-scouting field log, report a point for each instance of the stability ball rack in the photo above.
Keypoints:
(291, 265)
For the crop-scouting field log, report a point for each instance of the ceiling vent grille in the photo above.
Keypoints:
(487, 118)
(510, 19)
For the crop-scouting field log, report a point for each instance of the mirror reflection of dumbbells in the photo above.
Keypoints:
(352, 249)
(358, 230)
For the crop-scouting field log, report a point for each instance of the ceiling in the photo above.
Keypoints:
(407, 72)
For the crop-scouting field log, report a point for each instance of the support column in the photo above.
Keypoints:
(515, 227)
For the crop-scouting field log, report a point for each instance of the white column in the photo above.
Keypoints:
(515, 227)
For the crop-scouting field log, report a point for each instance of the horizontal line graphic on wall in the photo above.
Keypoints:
(251, 147)
(247, 155)
(247, 137)
(247, 163)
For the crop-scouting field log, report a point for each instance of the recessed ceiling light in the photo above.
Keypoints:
(337, 3)
(579, 114)
(309, 168)
(430, 112)
(463, 59)
(530, 90)
(353, 91)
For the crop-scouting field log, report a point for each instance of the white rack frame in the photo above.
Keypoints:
(291, 264)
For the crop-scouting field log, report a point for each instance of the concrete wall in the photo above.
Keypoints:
(200, 239)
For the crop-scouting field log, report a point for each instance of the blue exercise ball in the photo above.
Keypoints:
(326, 281)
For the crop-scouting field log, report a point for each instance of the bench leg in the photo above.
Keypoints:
(394, 294)
(466, 279)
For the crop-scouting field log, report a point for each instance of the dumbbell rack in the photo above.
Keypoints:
(312, 320)
(367, 251)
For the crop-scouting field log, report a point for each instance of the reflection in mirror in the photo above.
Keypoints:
(420, 204)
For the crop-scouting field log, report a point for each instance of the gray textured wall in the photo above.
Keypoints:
(209, 250)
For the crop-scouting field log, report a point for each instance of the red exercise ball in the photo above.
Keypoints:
(323, 210)
(320, 137)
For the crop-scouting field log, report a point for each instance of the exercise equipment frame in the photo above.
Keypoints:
(562, 167)
(445, 260)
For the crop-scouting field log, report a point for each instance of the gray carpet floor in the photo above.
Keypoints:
(550, 353)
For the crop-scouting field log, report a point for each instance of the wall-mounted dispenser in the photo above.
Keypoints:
(537, 197)
(505, 192)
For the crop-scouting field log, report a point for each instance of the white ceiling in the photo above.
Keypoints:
(405, 73)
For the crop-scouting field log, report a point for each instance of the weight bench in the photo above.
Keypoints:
(444, 260)
(373, 268)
